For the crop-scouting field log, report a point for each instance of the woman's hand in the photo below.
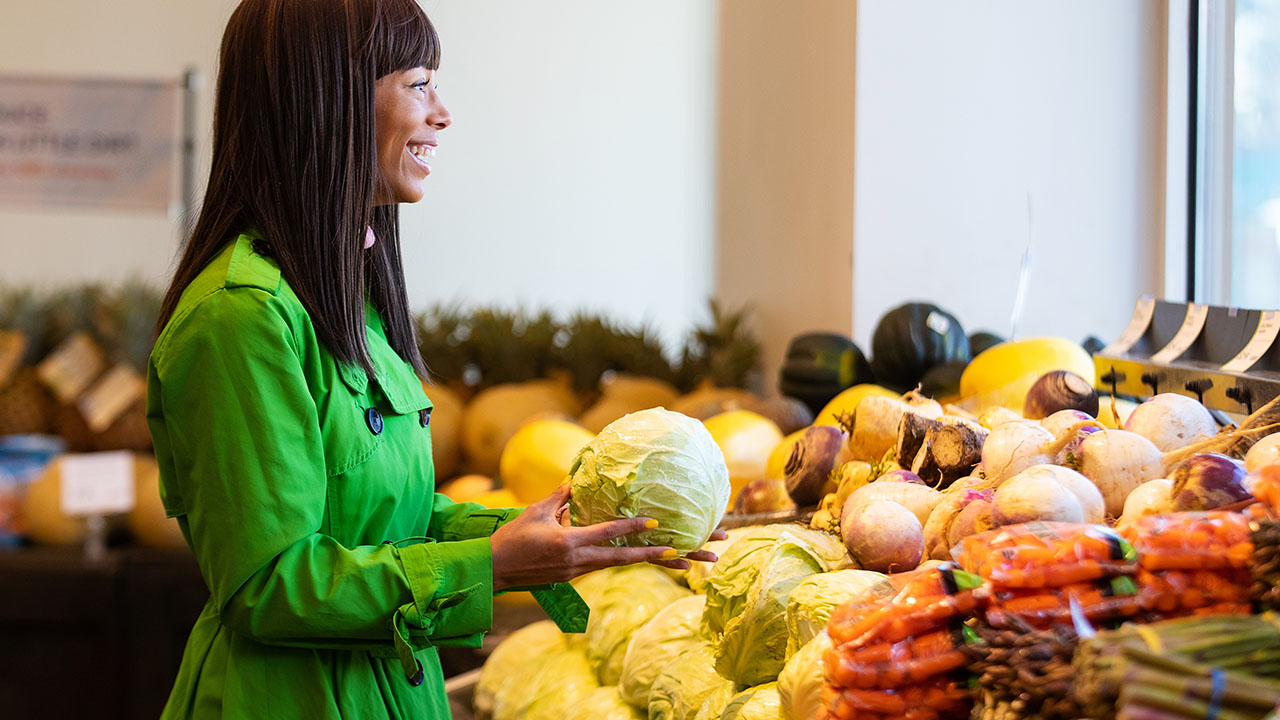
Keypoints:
(540, 547)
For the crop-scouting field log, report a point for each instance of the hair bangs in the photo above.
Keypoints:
(403, 38)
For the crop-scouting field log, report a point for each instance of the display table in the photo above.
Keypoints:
(104, 641)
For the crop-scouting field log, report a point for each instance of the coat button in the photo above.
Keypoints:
(424, 417)
(417, 678)
(374, 419)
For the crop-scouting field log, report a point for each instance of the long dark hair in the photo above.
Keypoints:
(295, 156)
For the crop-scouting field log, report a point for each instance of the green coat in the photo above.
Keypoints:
(306, 491)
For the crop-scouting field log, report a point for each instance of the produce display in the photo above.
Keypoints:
(996, 548)
(974, 528)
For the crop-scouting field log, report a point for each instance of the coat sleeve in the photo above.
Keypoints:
(451, 521)
(238, 436)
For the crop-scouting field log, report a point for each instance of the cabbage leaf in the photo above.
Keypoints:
(672, 631)
(800, 682)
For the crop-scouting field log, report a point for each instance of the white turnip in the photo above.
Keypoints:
(1024, 498)
(1117, 461)
(937, 529)
(1149, 498)
(1017, 445)
(1085, 492)
(1058, 422)
(919, 499)
(1264, 452)
(883, 536)
(996, 415)
(976, 517)
(1171, 421)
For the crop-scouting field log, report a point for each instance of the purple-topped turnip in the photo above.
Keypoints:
(1206, 482)
(1060, 390)
(812, 459)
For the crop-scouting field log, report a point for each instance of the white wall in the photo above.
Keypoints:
(965, 108)
(579, 172)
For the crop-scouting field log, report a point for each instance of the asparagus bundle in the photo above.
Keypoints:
(1266, 564)
(1220, 666)
(1023, 673)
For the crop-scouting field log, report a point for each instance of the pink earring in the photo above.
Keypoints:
(368, 237)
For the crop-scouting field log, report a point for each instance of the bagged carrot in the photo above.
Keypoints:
(1044, 608)
(941, 697)
(1168, 591)
(1192, 540)
(927, 601)
(1046, 554)
(892, 665)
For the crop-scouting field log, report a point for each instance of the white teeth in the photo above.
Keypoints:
(422, 152)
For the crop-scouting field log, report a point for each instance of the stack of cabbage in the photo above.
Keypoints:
(747, 645)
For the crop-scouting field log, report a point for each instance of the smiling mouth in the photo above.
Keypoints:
(424, 153)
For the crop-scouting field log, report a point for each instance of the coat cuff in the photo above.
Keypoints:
(452, 587)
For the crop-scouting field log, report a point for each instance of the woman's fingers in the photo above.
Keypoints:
(703, 556)
(606, 556)
(677, 564)
(550, 505)
(600, 532)
(719, 535)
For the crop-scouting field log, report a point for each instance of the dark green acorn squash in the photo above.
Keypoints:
(913, 338)
(820, 365)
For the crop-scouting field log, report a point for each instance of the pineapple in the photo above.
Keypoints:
(441, 332)
(26, 406)
(71, 311)
(726, 353)
(126, 323)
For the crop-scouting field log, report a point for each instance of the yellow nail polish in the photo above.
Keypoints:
(650, 524)
(669, 553)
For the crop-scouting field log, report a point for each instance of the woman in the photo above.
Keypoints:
(283, 394)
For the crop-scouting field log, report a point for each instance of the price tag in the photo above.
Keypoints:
(1259, 344)
(97, 483)
(12, 347)
(71, 367)
(938, 323)
(111, 396)
(1142, 314)
(1192, 324)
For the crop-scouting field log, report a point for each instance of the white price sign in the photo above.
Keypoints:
(97, 483)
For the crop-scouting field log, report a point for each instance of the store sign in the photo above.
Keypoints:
(97, 483)
(95, 143)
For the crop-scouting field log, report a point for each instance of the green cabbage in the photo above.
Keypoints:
(564, 681)
(696, 576)
(518, 655)
(811, 602)
(603, 703)
(684, 684)
(657, 464)
(800, 682)
(661, 640)
(632, 595)
(540, 693)
(714, 704)
(746, 612)
(755, 703)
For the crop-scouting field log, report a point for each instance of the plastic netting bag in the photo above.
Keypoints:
(1042, 608)
(1046, 554)
(904, 605)
(1192, 540)
(939, 698)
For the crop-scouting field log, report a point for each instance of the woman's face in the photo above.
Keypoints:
(408, 116)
